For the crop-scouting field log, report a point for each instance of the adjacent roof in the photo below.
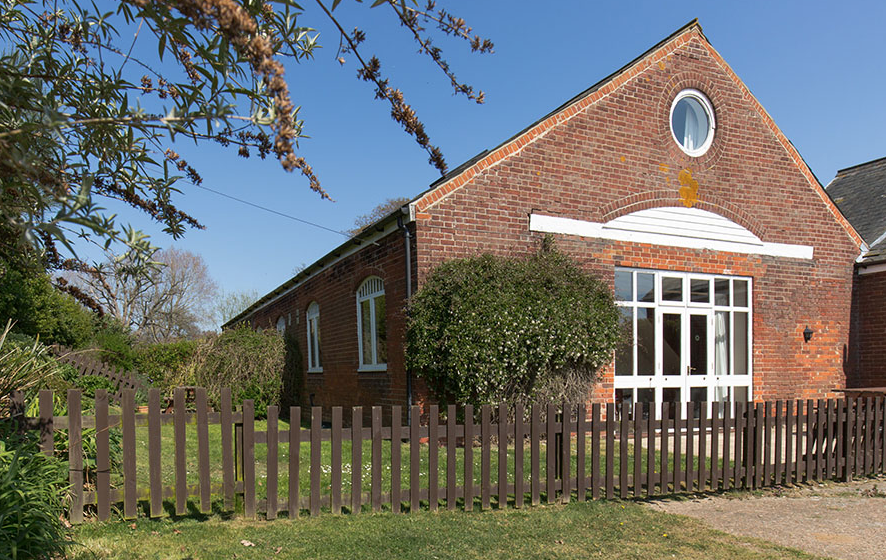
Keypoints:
(860, 194)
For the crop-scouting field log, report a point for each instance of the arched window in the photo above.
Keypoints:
(281, 324)
(372, 325)
(313, 327)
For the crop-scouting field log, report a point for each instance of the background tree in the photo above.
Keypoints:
(166, 298)
(229, 304)
(490, 329)
(377, 213)
(88, 114)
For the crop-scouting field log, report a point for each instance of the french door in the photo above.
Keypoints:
(688, 338)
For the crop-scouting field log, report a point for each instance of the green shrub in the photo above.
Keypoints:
(28, 298)
(115, 343)
(490, 329)
(249, 362)
(23, 367)
(162, 363)
(32, 490)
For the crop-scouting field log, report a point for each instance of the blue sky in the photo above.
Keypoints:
(816, 67)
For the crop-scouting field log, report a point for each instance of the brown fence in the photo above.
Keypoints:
(548, 453)
(89, 365)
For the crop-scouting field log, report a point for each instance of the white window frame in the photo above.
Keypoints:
(370, 289)
(312, 327)
(714, 383)
(712, 123)
(280, 324)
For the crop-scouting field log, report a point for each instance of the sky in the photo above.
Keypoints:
(816, 67)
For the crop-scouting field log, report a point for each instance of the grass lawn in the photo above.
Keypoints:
(619, 530)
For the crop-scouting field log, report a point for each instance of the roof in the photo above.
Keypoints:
(860, 194)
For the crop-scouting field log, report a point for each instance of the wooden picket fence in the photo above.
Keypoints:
(87, 364)
(551, 453)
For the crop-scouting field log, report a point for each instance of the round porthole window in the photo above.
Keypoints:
(692, 122)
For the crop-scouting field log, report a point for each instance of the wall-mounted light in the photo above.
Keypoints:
(807, 334)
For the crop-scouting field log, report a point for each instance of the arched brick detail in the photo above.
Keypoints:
(660, 198)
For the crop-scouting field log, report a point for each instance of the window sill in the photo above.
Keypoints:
(379, 368)
(314, 371)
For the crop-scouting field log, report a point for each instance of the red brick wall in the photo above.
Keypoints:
(334, 289)
(870, 331)
(617, 156)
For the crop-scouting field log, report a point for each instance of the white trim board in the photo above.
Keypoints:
(873, 269)
(685, 229)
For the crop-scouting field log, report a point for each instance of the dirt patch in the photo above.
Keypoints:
(841, 520)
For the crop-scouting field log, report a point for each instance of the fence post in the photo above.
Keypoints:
(181, 464)
(469, 458)
(294, 460)
(848, 439)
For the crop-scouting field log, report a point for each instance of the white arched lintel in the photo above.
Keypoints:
(689, 228)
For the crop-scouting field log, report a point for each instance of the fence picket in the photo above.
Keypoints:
(779, 442)
(451, 448)
(127, 421)
(154, 452)
(623, 450)
(433, 457)
(249, 458)
(396, 463)
(47, 441)
(726, 471)
(595, 451)
(650, 450)
(839, 429)
(227, 427)
(691, 424)
(534, 443)
(610, 451)
(868, 436)
(740, 458)
(550, 453)
(414, 459)
(469, 458)
(829, 438)
(272, 462)
(181, 468)
(336, 460)
(200, 401)
(356, 459)
(768, 463)
(316, 433)
(665, 428)
(702, 448)
(678, 445)
(293, 506)
(502, 494)
(759, 457)
(485, 453)
(519, 432)
(376, 457)
(880, 451)
(565, 453)
(638, 450)
(102, 455)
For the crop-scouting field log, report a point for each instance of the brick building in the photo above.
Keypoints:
(860, 193)
(669, 180)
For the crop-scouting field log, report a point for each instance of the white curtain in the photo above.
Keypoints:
(721, 343)
(690, 131)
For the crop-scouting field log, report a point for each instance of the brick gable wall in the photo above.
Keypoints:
(617, 156)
